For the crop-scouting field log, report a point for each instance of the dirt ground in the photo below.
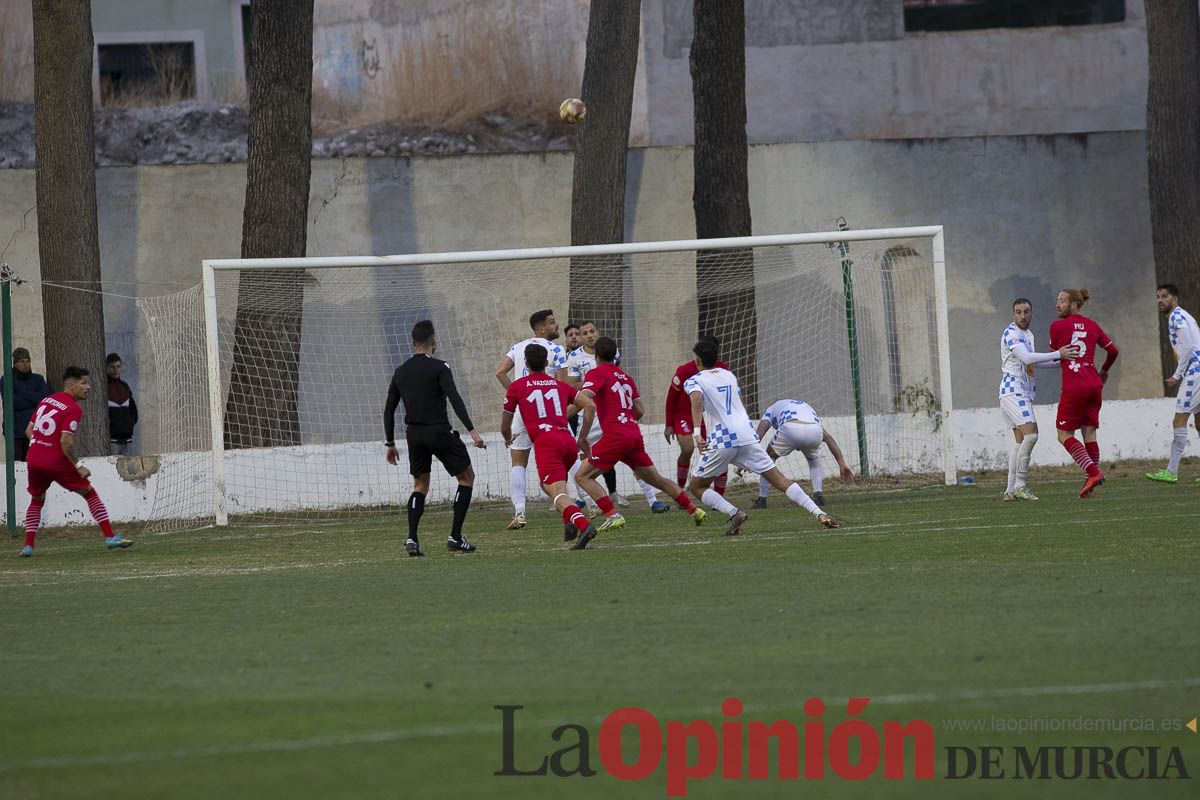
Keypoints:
(196, 132)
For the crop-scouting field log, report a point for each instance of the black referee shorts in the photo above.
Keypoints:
(427, 441)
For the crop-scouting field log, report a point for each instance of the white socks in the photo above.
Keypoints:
(1024, 451)
(815, 474)
(1178, 445)
(718, 503)
(1013, 456)
(764, 486)
(516, 489)
(797, 496)
(648, 490)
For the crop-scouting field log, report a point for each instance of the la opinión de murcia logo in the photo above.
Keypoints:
(734, 749)
(737, 749)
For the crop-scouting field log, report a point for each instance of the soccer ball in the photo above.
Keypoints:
(572, 110)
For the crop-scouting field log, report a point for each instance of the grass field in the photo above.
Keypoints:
(321, 662)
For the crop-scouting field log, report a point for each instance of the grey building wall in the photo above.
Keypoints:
(213, 25)
(817, 70)
(1023, 216)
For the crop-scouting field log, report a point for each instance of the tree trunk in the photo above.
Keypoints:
(721, 197)
(598, 185)
(263, 405)
(68, 242)
(1173, 150)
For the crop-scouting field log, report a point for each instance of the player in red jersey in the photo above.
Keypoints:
(1082, 385)
(679, 420)
(544, 403)
(611, 395)
(52, 458)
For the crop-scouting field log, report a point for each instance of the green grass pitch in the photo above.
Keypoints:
(319, 661)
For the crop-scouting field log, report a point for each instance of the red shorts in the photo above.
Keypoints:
(627, 449)
(555, 452)
(65, 475)
(1079, 409)
(683, 426)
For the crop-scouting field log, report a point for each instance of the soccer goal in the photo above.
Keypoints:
(276, 370)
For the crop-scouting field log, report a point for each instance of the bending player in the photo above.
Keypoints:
(1018, 390)
(611, 395)
(579, 363)
(1185, 341)
(1082, 386)
(544, 404)
(797, 427)
(679, 419)
(545, 331)
(51, 458)
(715, 395)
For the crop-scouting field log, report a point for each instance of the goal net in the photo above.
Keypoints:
(275, 372)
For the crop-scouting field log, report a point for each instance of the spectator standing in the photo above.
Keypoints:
(122, 409)
(29, 389)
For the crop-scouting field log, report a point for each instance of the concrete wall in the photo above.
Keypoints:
(1023, 216)
(817, 70)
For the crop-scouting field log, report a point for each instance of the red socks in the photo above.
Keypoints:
(33, 518)
(605, 504)
(1093, 450)
(719, 483)
(685, 502)
(681, 473)
(573, 515)
(100, 514)
(1080, 454)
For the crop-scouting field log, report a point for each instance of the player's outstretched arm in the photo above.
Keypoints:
(673, 393)
(1027, 356)
(502, 370)
(764, 425)
(843, 468)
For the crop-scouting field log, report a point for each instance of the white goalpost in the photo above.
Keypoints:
(276, 370)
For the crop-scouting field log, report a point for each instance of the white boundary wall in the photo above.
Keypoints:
(1133, 429)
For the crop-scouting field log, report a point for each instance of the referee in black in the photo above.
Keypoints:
(424, 383)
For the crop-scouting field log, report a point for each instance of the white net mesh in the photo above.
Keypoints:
(307, 355)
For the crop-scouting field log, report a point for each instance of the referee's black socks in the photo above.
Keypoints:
(462, 501)
(416, 507)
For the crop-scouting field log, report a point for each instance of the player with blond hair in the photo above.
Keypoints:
(1082, 384)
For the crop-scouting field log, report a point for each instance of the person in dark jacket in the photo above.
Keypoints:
(29, 389)
(122, 409)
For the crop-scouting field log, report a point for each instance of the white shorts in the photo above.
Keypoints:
(1188, 399)
(805, 437)
(1018, 410)
(752, 457)
(520, 440)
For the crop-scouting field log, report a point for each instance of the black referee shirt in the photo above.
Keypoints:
(424, 383)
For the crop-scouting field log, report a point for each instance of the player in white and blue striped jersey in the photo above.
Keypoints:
(545, 331)
(716, 396)
(797, 427)
(1018, 389)
(1185, 341)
